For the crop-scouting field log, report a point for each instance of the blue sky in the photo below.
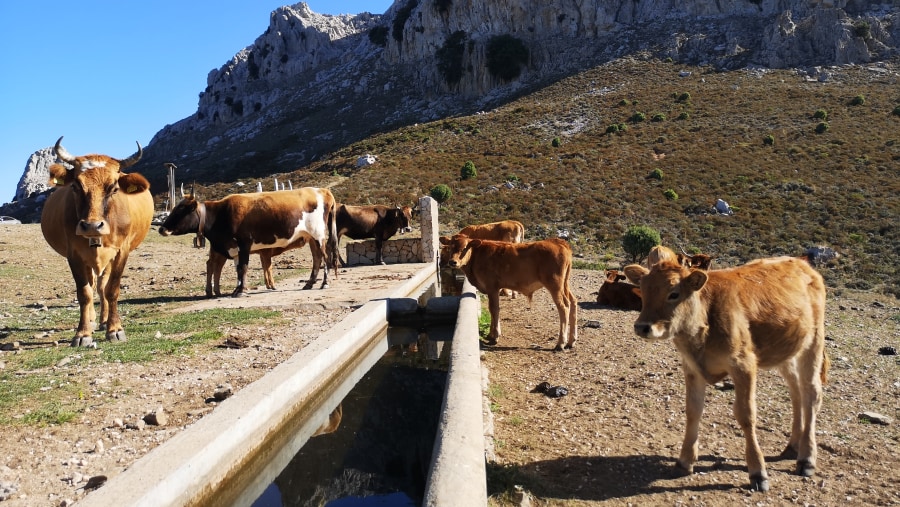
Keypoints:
(107, 73)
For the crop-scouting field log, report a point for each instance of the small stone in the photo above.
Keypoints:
(99, 447)
(875, 418)
(64, 361)
(157, 418)
(223, 392)
(593, 324)
(118, 423)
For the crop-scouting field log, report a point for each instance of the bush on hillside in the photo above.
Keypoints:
(450, 57)
(468, 170)
(505, 56)
(638, 240)
(440, 193)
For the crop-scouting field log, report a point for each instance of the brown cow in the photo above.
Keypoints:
(618, 293)
(769, 313)
(376, 221)
(505, 230)
(96, 217)
(524, 267)
(243, 223)
(216, 262)
(511, 231)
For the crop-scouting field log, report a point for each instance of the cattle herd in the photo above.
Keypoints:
(731, 322)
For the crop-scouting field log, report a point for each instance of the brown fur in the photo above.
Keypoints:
(511, 231)
(377, 221)
(216, 262)
(618, 293)
(110, 208)
(768, 313)
(523, 267)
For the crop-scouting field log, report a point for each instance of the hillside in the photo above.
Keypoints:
(705, 131)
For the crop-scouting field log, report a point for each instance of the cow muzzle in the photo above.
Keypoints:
(650, 331)
(93, 231)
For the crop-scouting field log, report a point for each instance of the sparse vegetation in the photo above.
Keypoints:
(656, 174)
(440, 193)
(638, 117)
(671, 194)
(450, 57)
(821, 114)
(468, 170)
(858, 100)
(638, 240)
(769, 140)
(821, 127)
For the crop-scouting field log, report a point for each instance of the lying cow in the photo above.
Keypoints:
(243, 223)
(523, 267)
(96, 217)
(618, 293)
(769, 313)
(378, 222)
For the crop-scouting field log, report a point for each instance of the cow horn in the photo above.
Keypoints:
(61, 152)
(130, 161)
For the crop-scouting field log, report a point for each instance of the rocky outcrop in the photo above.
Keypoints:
(313, 83)
(36, 177)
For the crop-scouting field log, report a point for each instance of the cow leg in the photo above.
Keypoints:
(695, 396)
(379, 244)
(84, 290)
(562, 307)
(809, 386)
(315, 248)
(241, 264)
(745, 414)
(113, 275)
(573, 318)
(494, 308)
(788, 371)
(265, 259)
(214, 264)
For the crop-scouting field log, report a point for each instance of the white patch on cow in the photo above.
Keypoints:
(92, 164)
(311, 224)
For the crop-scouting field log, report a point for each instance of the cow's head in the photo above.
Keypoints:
(403, 219)
(457, 249)
(613, 276)
(669, 296)
(95, 181)
(184, 218)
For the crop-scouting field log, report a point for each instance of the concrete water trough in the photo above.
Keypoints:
(230, 456)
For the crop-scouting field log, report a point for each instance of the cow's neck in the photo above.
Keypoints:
(201, 222)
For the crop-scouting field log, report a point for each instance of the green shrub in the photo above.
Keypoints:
(656, 174)
(624, 102)
(468, 170)
(403, 15)
(862, 29)
(684, 115)
(671, 195)
(638, 240)
(820, 114)
(505, 56)
(638, 117)
(658, 117)
(684, 97)
(440, 193)
(896, 111)
(769, 140)
(858, 100)
(821, 128)
(612, 129)
(556, 142)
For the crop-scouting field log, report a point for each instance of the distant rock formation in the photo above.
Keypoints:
(36, 177)
(313, 83)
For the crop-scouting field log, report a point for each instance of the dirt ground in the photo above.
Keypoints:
(612, 440)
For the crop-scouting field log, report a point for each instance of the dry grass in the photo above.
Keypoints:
(839, 188)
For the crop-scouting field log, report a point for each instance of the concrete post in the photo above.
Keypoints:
(428, 214)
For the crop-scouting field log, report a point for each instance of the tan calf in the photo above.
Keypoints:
(522, 267)
(766, 314)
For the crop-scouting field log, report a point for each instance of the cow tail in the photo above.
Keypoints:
(826, 363)
(332, 239)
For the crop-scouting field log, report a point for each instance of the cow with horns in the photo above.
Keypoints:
(240, 224)
(96, 216)
(375, 221)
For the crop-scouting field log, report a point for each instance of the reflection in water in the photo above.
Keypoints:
(379, 453)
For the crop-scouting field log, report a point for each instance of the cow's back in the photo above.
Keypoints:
(783, 297)
(510, 231)
(518, 266)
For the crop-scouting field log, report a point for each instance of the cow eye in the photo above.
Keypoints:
(673, 295)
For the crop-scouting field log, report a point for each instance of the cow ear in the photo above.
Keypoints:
(133, 183)
(474, 243)
(634, 272)
(58, 175)
(444, 240)
(695, 281)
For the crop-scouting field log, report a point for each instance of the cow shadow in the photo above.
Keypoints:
(599, 478)
(162, 299)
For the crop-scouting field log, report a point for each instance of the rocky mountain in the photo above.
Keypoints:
(313, 83)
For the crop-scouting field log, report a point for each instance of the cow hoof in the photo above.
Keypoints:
(759, 483)
(558, 348)
(788, 453)
(324, 286)
(82, 341)
(116, 336)
(682, 469)
(239, 294)
(805, 468)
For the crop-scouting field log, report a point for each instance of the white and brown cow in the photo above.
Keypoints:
(95, 218)
(769, 313)
(243, 223)
(523, 267)
(376, 221)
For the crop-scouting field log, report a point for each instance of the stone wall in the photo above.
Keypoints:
(406, 250)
